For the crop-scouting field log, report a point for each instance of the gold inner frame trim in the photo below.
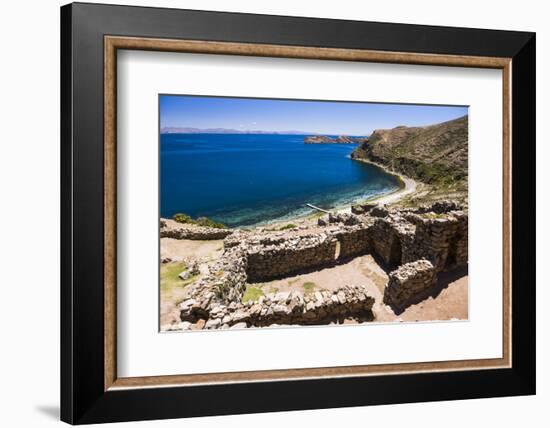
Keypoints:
(113, 43)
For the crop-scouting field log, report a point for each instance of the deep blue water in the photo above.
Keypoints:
(246, 179)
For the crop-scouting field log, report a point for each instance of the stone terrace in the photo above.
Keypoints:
(413, 244)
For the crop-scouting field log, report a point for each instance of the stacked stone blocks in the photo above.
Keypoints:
(416, 243)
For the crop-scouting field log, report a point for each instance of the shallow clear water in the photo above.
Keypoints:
(246, 179)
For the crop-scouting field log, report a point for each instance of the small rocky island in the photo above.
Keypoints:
(341, 139)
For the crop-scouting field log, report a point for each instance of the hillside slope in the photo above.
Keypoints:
(435, 154)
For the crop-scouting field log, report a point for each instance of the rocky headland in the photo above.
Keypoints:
(435, 155)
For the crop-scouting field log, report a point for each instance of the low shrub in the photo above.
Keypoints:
(182, 218)
(201, 221)
(309, 286)
(288, 226)
(205, 221)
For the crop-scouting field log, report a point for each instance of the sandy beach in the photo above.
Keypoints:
(409, 187)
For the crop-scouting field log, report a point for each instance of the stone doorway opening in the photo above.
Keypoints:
(395, 253)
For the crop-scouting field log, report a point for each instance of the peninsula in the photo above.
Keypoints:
(435, 155)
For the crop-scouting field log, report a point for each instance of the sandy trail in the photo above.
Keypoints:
(190, 251)
(390, 198)
(410, 187)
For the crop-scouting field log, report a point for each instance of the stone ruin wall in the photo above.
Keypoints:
(443, 241)
(433, 244)
(280, 258)
(175, 230)
(217, 297)
(408, 282)
(418, 245)
(227, 278)
(290, 256)
(386, 244)
(320, 307)
(353, 241)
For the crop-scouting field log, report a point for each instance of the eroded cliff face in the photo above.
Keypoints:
(436, 154)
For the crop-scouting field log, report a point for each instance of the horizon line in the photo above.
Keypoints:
(193, 130)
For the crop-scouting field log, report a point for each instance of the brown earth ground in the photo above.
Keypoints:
(183, 253)
(447, 300)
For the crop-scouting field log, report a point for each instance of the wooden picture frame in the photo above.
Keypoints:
(91, 390)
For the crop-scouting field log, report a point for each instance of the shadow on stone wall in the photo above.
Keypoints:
(444, 279)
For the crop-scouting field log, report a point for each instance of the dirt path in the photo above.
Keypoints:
(410, 187)
(185, 249)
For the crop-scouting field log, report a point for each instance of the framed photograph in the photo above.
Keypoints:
(265, 213)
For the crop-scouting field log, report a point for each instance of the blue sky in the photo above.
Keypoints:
(324, 117)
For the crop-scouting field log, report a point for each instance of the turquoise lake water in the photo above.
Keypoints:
(248, 179)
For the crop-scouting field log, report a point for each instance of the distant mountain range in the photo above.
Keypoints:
(178, 130)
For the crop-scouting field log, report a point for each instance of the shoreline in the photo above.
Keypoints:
(407, 187)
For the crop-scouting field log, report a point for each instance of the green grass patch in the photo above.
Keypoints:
(169, 276)
(309, 286)
(252, 293)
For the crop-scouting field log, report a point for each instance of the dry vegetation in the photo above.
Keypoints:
(435, 155)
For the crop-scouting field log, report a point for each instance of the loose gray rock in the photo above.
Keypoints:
(379, 211)
(186, 274)
(323, 220)
(185, 325)
(239, 325)
(213, 323)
